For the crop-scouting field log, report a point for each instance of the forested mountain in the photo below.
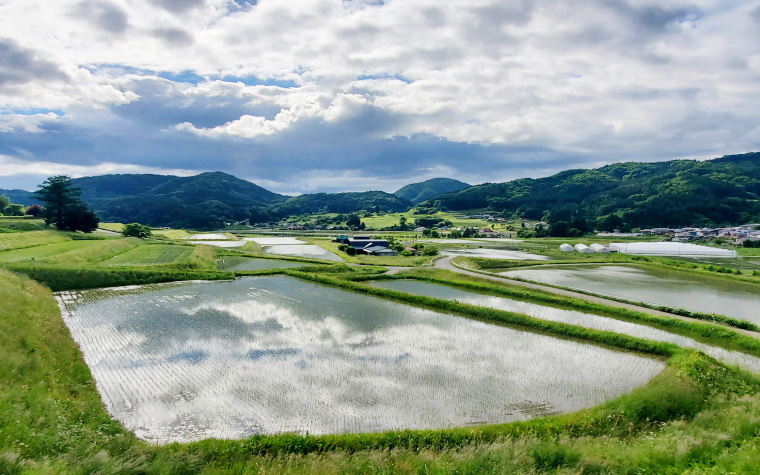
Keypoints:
(201, 201)
(627, 195)
(624, 195)
(21, 197)
(339, 203)
(419, 192)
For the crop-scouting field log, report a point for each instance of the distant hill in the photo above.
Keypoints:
(21, 197)
(627, 195)
(340, 203)
(201, 201)
(419, 192)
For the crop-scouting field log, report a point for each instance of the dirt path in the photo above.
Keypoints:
(446, 264)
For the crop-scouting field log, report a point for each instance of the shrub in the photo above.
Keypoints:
(136, 230)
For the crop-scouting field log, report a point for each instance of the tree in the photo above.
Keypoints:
(4, 202)
(63, 206)
(136, 230)
(14, 209)
(34, 210)
(353, 220)
(78, 217)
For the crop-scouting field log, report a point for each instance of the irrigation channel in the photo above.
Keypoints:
(261, 355)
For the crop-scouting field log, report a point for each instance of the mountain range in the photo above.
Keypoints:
(628, 195)
(623, 195)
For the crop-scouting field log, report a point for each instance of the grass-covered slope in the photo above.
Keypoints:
(419, 192)
(674, 193)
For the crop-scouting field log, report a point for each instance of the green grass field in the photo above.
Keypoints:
(19, 224)
(150, 254)
(115, 227)
(20, 240)
(94, 253)
(43, 251)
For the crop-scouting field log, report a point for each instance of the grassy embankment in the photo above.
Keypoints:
(697, 414)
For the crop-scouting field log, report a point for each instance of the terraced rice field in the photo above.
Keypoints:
(272, 241)
(43, 251)
(150, 254)
(233, 263)
(311, 251)
(223, 244)
(674, 289)
(187, 361)
(494, 254)
(207, 237)
(587, 320)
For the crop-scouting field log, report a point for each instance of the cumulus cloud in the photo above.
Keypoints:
(173, 36)
(20, 65)
(104, 15)
(484, 89)
(178, 6)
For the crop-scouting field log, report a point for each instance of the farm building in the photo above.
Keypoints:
(362, 243)
(600, 249)
(583, 248)
(670, 249)
(379, 251)
(566, 248)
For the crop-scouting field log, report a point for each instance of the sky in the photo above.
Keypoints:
(303, 96)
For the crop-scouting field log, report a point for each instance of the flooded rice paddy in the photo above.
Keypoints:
(224, 244)
(271, 241)
(659, 287)
(207, 237)
(234, 263)
(261, 355)
(290, 246)
(305, 250)
(572, 317)
(494, 254)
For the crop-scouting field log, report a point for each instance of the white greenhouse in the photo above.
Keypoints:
(566, 248)
(670, 249)
(600, 249)
(583, 248)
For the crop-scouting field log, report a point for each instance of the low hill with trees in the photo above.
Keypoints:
(628, 195)
(419, 192)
